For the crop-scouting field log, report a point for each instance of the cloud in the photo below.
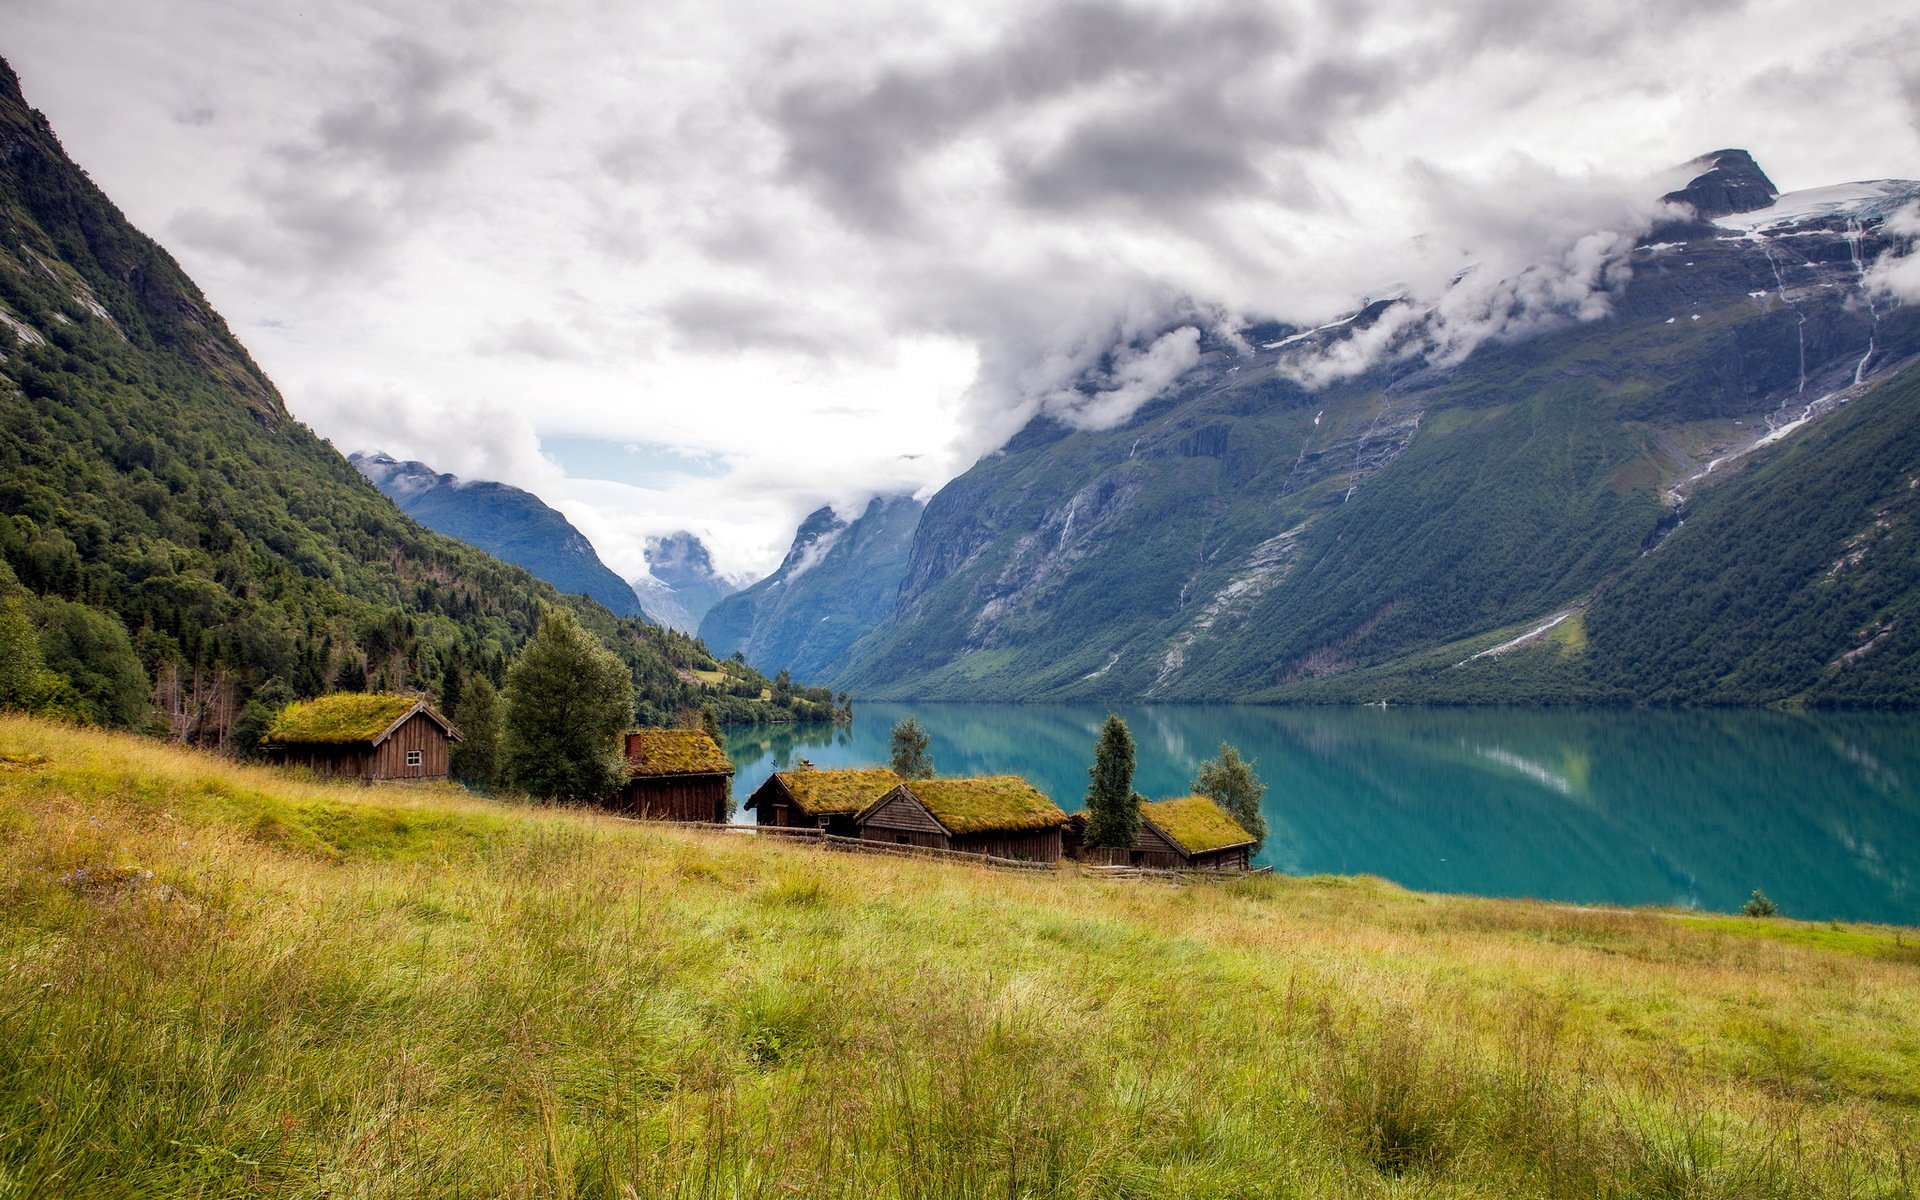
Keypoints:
(532, 339)
(334, 201)
(1897, 272)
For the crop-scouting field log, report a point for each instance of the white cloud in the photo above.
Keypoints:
(1897, 273)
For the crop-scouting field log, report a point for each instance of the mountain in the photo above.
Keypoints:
(503, 520)
(1741, 407)
(177, 549)
(681, 584)
(836, 583)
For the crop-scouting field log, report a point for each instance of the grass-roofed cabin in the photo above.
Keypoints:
(1001, 815)
(362, 736)
(1192, 833)
(677, 775)
(810, 798)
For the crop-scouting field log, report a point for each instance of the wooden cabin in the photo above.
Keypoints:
(809, 798)
(1192, 833)
(676, 775)
(1001, 815)
(362, 736)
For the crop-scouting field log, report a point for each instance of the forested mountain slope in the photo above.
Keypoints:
(1245, 535)
(186, 552)
(838, 580)
(507, 522)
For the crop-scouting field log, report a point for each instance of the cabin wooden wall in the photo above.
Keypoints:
(677, 798)
(389, 758)
(904, 821)
(1035, 845)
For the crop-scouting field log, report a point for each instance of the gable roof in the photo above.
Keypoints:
(655, 752)
(348, 719)
(991, 803)
(1196, 824)
(835, 793)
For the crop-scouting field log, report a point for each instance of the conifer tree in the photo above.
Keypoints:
(1230, 782)
(476, 756)
(1113, 807)
(568, 700)
(910, 757)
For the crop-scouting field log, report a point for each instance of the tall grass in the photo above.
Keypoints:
(223, 981)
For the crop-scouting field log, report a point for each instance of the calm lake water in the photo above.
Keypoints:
(1692, 809)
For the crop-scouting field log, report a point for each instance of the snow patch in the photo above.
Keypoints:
(1873, 197)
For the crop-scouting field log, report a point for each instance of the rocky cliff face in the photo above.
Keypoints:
(681, 584)
(507, 522)
(1246, 534)
(838, 580)
(1731, 182)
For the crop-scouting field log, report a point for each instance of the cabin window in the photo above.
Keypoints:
(902, 839)
(413, 758)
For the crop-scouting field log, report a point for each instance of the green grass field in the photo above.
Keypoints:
(226, 981)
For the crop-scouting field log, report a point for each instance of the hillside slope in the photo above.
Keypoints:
(156, 497)
(837, 581)
(226, 981)
(507, 522)
(1248, 536)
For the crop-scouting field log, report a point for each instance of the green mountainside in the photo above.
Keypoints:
(836, 583)
(187, 554)
(507, 522)
(1245, 537)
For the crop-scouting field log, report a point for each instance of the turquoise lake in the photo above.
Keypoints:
(1694, 809)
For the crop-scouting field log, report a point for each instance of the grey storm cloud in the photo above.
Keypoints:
(330, 202)
(852, 142)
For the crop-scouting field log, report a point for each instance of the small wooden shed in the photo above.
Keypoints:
(363, 736)
(1191, 833)
(810, 798)
(1001, 815)
(676, 775)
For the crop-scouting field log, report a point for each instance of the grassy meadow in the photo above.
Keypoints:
(218, 980)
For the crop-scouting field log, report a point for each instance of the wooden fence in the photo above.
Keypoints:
(833, 841)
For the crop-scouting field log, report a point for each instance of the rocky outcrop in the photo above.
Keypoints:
(1731, 183)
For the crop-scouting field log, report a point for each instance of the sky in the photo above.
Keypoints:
(709, 265)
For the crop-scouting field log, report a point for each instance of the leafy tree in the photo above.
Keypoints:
(568, 699)
(1230, 782)
(91, 650)
(1758, 905)
(257, 717)
(910, 757)
(1113, 807)
(476, 756)
(25, 683)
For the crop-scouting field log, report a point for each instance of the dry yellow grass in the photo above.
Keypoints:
(217, 980)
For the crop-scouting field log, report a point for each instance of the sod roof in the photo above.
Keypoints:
(1197, 824)
(342, 719)
(991, 803)
(836, 793)
(652, 752)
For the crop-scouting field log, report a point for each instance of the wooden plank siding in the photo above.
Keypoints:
(901, 813)
(1037, 845)
(700, 798)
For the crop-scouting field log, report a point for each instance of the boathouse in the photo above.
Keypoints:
(676, 775)
(810, 798)
(1001, 815)
(1192, 833)
(362, 736)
